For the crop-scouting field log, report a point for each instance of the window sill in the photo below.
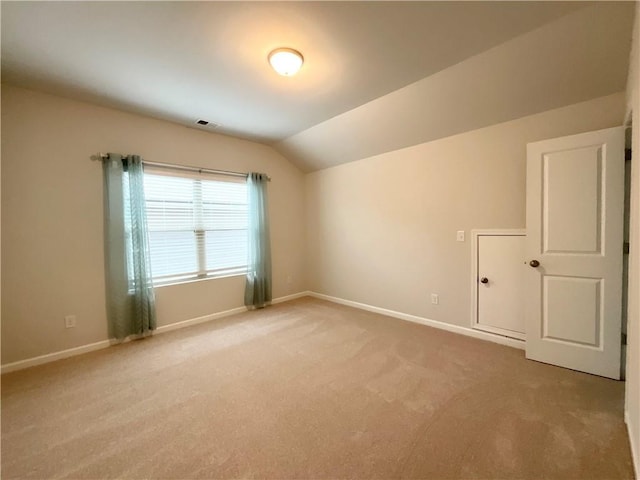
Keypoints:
(196, 280)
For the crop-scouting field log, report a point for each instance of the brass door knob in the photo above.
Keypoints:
(484, 280)
(534, 263)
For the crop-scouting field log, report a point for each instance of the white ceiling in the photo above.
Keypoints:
(580, 56)
(184, 61)
(378, 76)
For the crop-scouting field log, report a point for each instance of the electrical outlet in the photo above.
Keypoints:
(70, 321)
(435, 299)
(289, 279)
(460, 236)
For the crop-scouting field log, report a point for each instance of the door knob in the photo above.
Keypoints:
(484, 280)
(534, 263)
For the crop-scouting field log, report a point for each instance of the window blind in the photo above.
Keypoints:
(197, 225)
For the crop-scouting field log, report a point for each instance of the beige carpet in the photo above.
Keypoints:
(309, 389)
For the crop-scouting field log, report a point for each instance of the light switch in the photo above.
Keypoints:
(70, 321)
(460, 236)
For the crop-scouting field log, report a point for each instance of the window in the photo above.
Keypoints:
(197, 225)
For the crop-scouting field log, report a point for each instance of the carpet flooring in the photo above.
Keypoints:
(310, 389)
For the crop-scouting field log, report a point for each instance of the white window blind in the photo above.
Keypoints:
(197, 225)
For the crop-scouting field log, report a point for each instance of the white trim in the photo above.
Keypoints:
(635, 453)
(195, 321)
(293, 296)
(199, 279)
(502, 340)
(72, 352)
(501, 331)
(475, 237)
(52, 357)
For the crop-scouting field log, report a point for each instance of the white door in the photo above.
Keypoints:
(575, 189)
(499, 283)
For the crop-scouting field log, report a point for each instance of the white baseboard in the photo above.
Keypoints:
(52, 357)
(510, 342)
(72, 352)
(197, 320)
(226, 313)
(287, 298)
(635, 453)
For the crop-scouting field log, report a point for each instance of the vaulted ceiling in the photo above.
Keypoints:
(377, 75)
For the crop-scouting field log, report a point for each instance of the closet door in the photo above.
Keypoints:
(499, 284)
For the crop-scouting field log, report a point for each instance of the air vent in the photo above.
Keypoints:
(207, 124)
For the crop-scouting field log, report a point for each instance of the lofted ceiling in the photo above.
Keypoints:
(183, 61)
(581, 56)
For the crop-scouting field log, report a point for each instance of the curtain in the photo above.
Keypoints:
(257, 292)
(130, 296)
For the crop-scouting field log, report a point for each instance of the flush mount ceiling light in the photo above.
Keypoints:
(286, 61)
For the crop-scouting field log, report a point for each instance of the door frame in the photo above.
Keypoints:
(475, 238)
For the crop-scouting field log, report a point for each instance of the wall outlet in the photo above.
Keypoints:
(70, 321)
(435, 299)
(289, 279)
(460, 235)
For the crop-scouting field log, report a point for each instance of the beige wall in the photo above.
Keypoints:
(382, 231)
(52, 217)
(632, 403)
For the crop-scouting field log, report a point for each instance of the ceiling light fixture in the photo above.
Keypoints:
(286, 61)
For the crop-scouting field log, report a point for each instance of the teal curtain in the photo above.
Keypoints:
(257, 293)
(130, 296)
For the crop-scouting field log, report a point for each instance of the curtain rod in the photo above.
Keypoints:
(105, 156)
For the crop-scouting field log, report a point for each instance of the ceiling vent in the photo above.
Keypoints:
(206, 124)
